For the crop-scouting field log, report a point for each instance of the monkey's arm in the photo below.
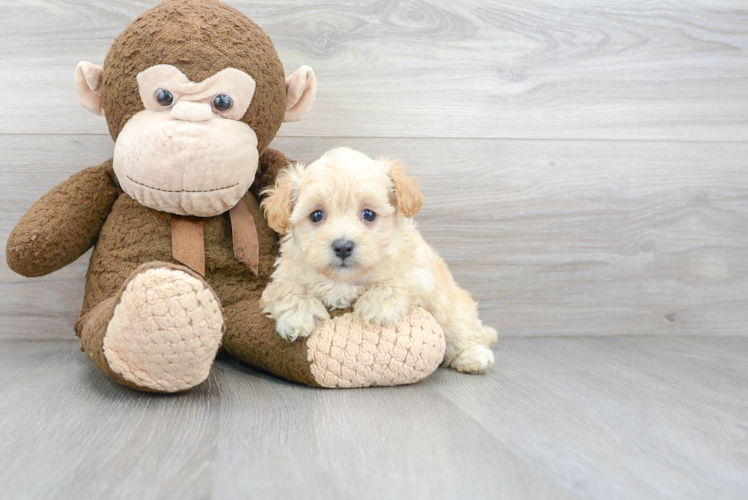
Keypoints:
(63, 223)
(271, 162)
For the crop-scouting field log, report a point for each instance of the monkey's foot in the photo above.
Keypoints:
(165, 331)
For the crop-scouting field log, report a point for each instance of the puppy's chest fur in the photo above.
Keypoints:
(336, 294)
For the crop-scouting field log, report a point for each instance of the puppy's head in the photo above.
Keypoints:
(342, 210)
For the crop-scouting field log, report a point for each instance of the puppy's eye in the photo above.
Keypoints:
(164, 98)
(368, 215)
(222, 103)
(317, 216)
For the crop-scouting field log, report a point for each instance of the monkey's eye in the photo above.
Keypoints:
(222, 103)
(368, 215)
(164, 98)
(317, 216)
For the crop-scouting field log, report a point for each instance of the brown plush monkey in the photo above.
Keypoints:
(193, 93)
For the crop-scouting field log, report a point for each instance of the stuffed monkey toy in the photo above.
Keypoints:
(193, 92)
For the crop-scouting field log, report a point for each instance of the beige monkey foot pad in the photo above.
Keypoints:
(342, 352)
(165, 331)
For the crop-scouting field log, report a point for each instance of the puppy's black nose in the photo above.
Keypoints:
(343, 248)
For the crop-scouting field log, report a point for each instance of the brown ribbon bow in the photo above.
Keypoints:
(188, 239)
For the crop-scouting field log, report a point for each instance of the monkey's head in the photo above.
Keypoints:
(193, 91)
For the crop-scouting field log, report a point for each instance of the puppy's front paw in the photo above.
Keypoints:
(300, 321)
(473, 359)
(386, 314)
(381, 307)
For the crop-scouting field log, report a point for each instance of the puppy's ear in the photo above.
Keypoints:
(408, 199)
(278, 200)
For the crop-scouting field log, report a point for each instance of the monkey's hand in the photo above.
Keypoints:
(63, 223)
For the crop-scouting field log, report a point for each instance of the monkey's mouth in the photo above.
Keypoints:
(182, 190)
(203, 174)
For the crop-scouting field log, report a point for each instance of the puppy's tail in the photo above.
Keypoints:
(490, 335)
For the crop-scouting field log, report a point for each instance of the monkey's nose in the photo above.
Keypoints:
(343, 248)
(192, 111)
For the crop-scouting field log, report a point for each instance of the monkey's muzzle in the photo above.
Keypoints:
(186, 168)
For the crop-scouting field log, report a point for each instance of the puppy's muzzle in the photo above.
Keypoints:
(343, 248)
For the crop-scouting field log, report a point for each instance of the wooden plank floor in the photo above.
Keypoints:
(556, 418)
(553, 238)
(537, 69)
(585, 165)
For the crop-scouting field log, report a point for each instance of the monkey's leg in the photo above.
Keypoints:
(341, 352)
(160, 332)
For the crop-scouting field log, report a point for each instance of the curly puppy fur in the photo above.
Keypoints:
(335, 255)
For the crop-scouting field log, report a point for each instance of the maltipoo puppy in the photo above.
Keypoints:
(350, 241)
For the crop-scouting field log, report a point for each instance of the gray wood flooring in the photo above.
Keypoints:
(556, 418)
(439, 68)
(585, 165)
(553, 238)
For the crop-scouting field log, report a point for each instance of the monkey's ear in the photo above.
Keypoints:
(408, 199)
(279, 199)
(301, 87)
(88, 85)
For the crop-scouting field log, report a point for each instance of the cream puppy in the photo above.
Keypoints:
(350, 241)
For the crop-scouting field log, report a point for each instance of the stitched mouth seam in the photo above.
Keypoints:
(182, 190)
